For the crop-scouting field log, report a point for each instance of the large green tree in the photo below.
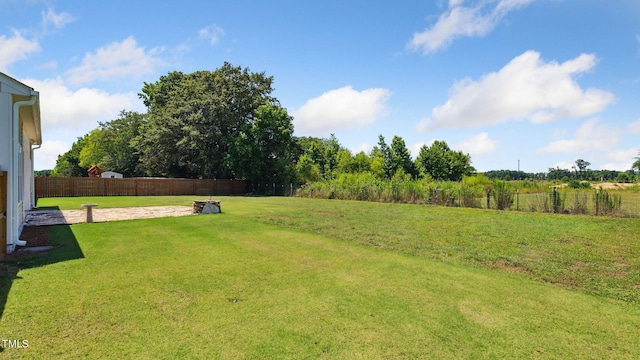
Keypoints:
(402, 158)
(443, 164)
(263, 152)
(323, 152)
(114, 145)
(581, 168)
(195, 119)
(68, 164)
(382, 163)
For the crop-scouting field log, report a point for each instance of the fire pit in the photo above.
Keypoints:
(206, 207)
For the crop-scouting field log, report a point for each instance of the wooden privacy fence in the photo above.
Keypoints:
(71, 187)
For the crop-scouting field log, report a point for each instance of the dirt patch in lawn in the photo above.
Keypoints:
(612, 186)
(37, 237)
(66, 217)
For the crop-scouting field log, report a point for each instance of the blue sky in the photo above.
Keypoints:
(543, 82)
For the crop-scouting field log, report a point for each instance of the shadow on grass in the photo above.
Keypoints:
(65, 248)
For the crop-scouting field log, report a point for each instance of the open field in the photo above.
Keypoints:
(301, 278)
(602, 199)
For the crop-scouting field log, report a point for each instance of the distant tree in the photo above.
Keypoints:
(512, 174)
(42, 173)
(558, 174)
(307, 170)
(262, 152)
(443, 164)
(581, 167)
(382, 151)
(605, 175)
(623, 178)
(459, 165)
(401, 158)
(378, 168)
(323, 152)
(361, 162)
(113, 145)
(331, 149)
(68, 164)
(345, 162)
(636, 164)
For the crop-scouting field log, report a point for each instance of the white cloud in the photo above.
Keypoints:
(588, 137)
(362, 147)
(61, 106)
(526, 88)
(414, 149)
(343, 108)
(635, 127)
(15, 48)
(67, 113)
(46, 156)
(620, 160)
(478, 145)
(567, 164)
(212, 33)
(460, 21)
(116, 60)
(58, 20)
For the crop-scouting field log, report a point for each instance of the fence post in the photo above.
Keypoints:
(554, 199)
(488, 198)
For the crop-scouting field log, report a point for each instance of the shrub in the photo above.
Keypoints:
(576, 184)
(623, 178)
(503, 195)
(606, 203)
(579, 205)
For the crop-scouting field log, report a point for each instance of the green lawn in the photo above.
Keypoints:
(300, 278)
(73, 203)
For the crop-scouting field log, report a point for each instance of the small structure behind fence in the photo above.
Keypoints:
(73, 187)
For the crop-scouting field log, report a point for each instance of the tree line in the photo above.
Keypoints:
(580, 171)
(225, 124)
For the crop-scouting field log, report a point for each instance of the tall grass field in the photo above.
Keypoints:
(294, 278)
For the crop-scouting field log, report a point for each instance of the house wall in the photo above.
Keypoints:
(26, 176)
(16, 153)
(111, 175)
(6, 107)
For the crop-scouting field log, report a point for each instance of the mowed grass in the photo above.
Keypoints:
(104, 202)
(298, 278)
(595, 255)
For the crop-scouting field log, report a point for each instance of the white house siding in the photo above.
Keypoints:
(26, 179)
(6, 108)
(16, 154)
(111, 175)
